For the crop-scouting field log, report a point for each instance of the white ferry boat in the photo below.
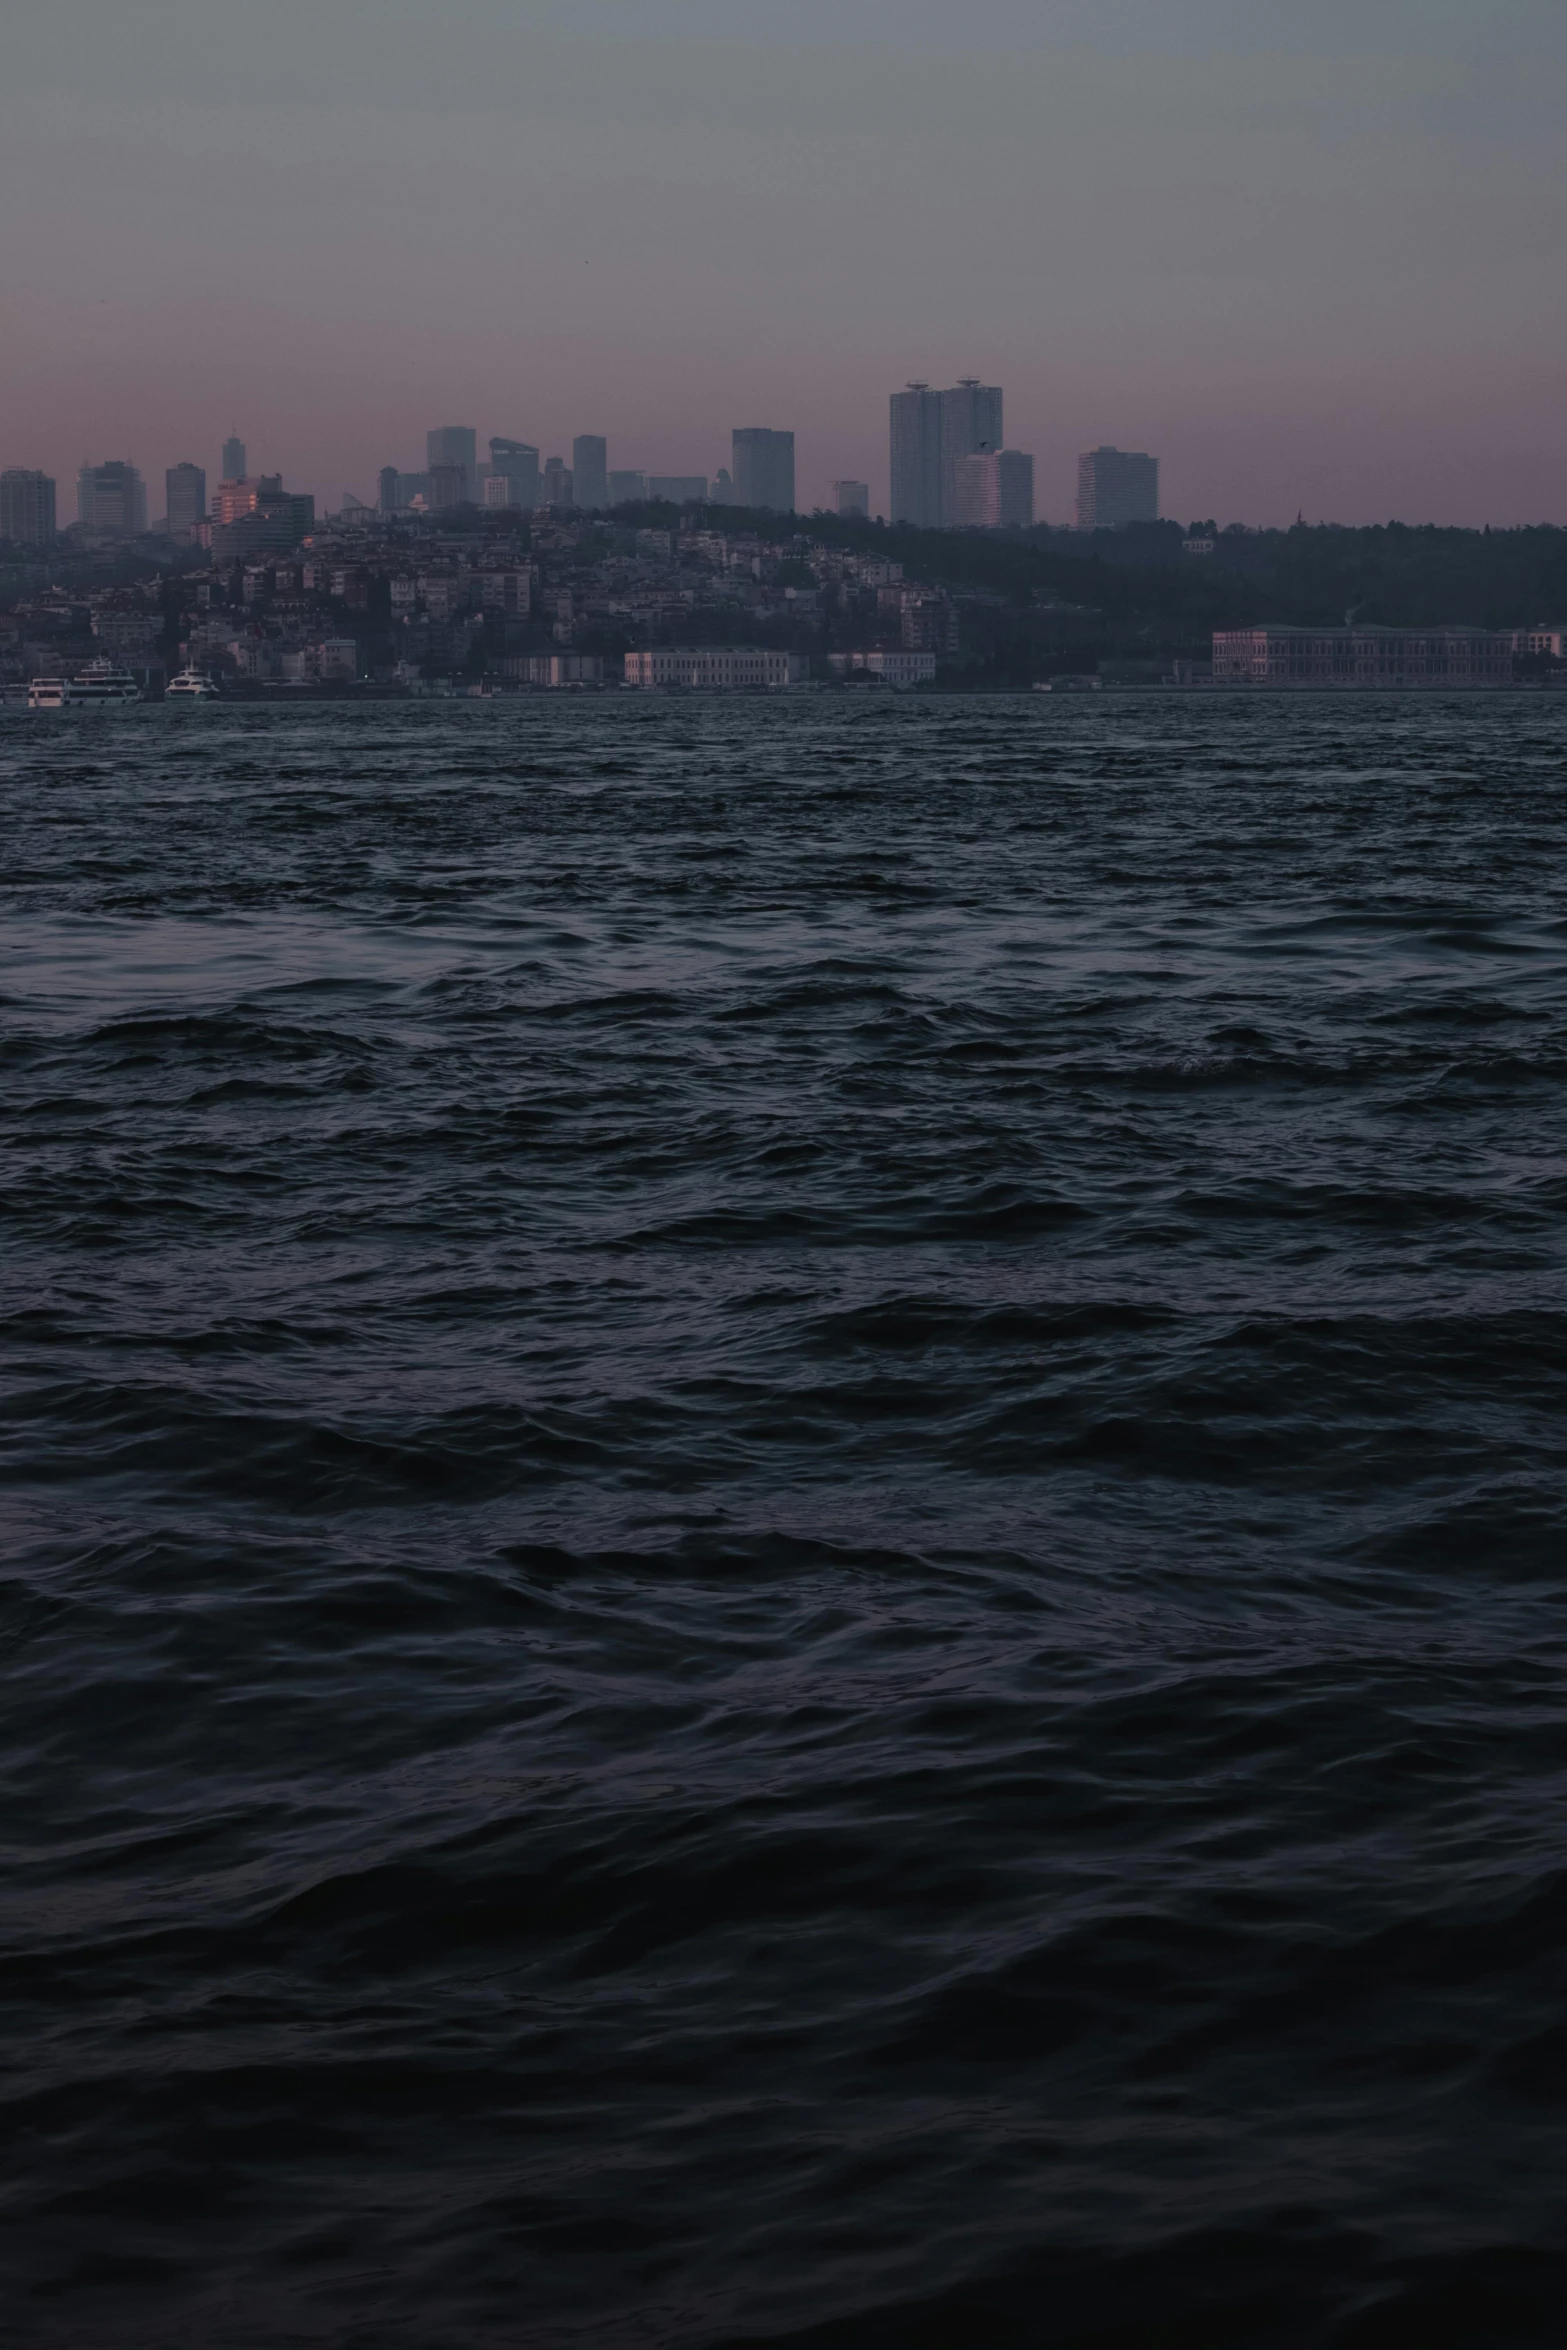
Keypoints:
(46, 693)
(100, 681)
(191, 685)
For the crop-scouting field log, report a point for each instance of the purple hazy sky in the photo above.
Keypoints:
(1307, 251)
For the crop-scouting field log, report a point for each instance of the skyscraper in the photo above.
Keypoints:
(916, 457)
(449, 486)
(519, 462)
(557, 482)
(764, 468)
(852, 499)
(185, 497)
(455, 444)
(993, 489)
(590, 470)
(627, 489)
(1114, 487)
(27, 508)
(930, 432)
(233, 458)
(970, 427)
(386, 489)
(111, 500)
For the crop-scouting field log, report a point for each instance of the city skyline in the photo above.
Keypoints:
(1303, 263)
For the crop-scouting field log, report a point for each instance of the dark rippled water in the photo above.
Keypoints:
(783, 1498)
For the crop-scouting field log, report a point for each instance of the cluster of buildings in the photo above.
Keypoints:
(430, 602)
(950, 470)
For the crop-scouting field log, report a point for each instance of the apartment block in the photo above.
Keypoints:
(993, 490)
(1115, 487)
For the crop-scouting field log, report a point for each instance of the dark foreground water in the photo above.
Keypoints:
(784, 1525)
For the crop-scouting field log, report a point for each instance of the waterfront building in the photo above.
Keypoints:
(993, 490)
(627, 489)
(455, 444)
(916, 456)
(233, 458)
(895, 669)
(185, 497)
(590, 471)
(27, 512)
(763, 464)
(1115, 487)
(518, 463)
(852, 500)
(715, 668)
(111, 501)
(1363, 656)
(678, 489)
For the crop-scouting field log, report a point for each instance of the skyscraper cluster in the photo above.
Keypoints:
(516, 475)
(949, 468)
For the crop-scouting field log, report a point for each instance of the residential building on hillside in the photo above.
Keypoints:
(27, 513)
(993, 490)
(763, 465)
(590, 471)
(111, 500)
(185, 498)
(1115, 487)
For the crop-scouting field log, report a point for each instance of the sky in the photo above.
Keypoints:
(1308, 252)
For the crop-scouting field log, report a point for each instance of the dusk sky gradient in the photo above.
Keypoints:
(1310, 255)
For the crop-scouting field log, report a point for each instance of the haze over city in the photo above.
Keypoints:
(1312, 265)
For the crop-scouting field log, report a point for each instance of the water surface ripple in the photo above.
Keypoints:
(783, 1495)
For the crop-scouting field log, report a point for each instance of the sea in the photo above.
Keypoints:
(784, 1523)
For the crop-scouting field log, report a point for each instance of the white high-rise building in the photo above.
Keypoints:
(994, 490)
